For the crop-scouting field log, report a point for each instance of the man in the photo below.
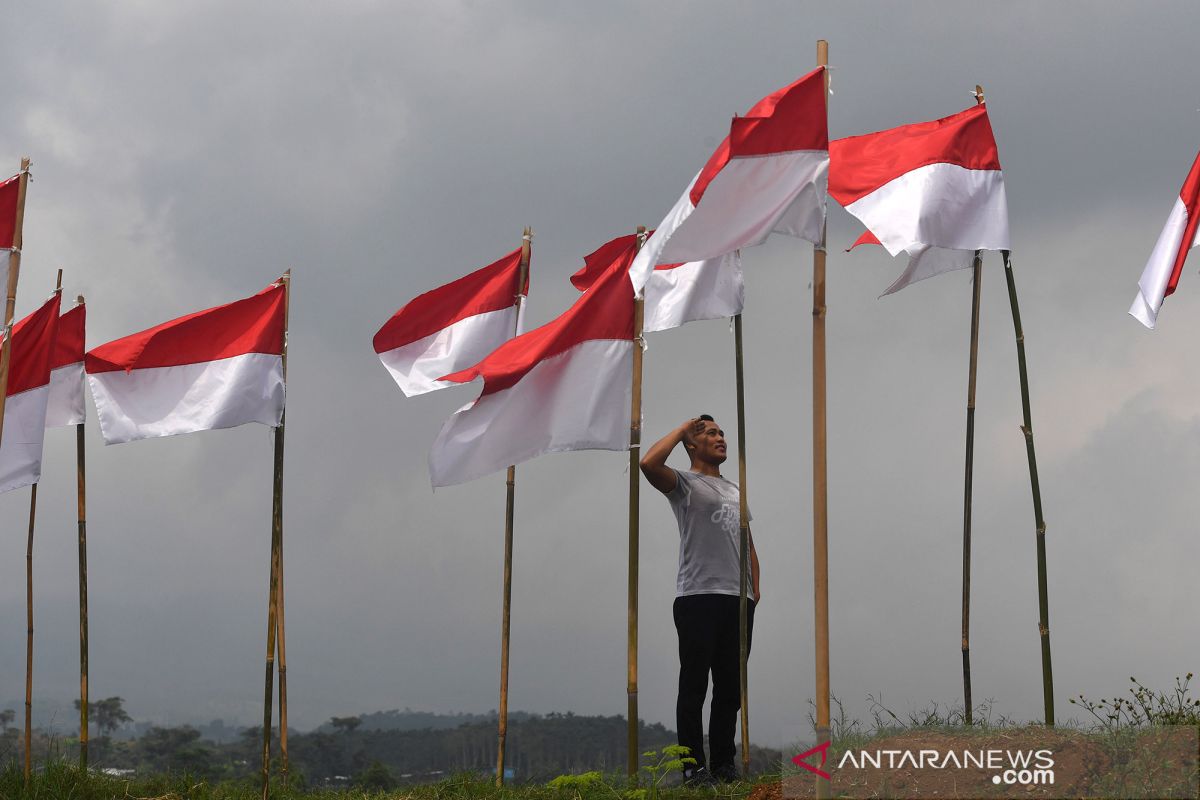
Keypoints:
(707, 590)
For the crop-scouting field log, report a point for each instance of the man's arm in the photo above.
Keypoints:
(654, 462)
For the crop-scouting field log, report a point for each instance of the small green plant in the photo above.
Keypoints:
(1146, 708)
(577, 784)
(672, 758)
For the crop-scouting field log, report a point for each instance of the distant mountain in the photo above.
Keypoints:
(409, 720)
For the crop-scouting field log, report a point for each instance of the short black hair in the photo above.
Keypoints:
(706, 418)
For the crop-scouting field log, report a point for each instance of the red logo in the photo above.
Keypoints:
(823, 749)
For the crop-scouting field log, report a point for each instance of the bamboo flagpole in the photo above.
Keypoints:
(29, 639)
(744, 545)
(29, 604)
(14, 271)
(509, 509)
(820, 478)
(635, 442)
(281, 641)
(1035, 486)
(967, 486)
(81, 502)
(273, 600)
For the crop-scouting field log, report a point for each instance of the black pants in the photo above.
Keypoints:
(709, 642)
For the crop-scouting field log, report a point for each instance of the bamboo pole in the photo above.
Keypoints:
(820, 478)
(1035, 486)
(14, 271)
(281, 643)
(273, 600)
(744, 551)
(967, 487)
(29, 639)
(509, 510)
(29, 601)
(80, 469)
(635, 442)
(277, 519)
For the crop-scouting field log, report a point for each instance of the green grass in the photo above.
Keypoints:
(59, 781)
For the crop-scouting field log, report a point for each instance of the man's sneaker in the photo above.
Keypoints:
(698, 778)
(727, 773)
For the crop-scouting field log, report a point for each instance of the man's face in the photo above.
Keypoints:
(710, 445)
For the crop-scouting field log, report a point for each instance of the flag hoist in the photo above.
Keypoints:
(935, 190)
(448, 329)
(217, 368)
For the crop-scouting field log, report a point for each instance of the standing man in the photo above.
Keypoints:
(707, 592)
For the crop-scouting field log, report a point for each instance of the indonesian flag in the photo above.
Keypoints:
(66, 405)
(768, 176)
(452, 327)
(28, 390)
(217, 368)
(9, 194)
(564, 386)
(933, 190)
(676, 293)
(1179, 235)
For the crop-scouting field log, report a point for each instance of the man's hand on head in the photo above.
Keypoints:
(691, 429)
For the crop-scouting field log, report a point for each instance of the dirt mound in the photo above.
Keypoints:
(1154, 763)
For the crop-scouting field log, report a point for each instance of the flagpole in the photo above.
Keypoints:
(282, 649)
(29, 602)
(635, 441)
(14, 271)
(80, 464)
(967, 486)
(744, 544)
(29, 638)
(274, 601)
(1035, 486)
(509, 509)
(820, 476)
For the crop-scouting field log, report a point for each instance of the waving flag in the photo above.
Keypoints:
(564, 386)
(675, 293)
(28, 390)
(1179, 235)
(217, 368)
(768, 176)
(452, 327)
(66, 404)
(10, 191)
(933, 190)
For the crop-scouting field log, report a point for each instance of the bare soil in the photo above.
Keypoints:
(1157, 763)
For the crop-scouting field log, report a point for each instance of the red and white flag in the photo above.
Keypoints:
(28, 390)
(217, 368)
(933, 190)
(66, 404)
(768, 176)
(452, 327)
(9, 196)
(564, 386)
(676, 293)
(1179, 235)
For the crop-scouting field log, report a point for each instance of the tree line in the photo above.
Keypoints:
(353, 748)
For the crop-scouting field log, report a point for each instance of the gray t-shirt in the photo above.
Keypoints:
(708, 512)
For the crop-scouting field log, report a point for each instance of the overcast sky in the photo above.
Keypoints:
(185, 154)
